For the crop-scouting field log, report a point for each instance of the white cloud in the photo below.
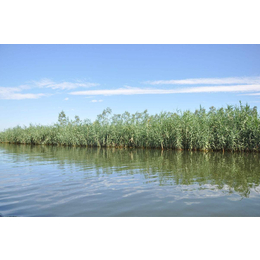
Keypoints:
(66, 98)
(252, 94)
(210, 81)
(95, 101)
(47, 83)
(142, 91)
(14, 93)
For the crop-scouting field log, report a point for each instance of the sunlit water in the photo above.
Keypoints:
(68, 181)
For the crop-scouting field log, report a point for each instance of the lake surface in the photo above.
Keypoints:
(74, 181)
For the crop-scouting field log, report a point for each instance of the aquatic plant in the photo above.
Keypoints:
(234, 128)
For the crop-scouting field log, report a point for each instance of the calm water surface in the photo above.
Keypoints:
(66, 181)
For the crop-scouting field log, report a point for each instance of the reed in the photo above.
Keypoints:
(234, 128)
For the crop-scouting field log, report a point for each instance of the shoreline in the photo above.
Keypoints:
(138, 147)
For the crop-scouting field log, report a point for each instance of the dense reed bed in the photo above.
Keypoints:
(234, 128)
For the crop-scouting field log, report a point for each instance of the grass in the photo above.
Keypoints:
(234, 128)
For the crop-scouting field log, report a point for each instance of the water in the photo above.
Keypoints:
(69, 181)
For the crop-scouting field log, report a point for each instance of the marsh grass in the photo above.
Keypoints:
(234, 128)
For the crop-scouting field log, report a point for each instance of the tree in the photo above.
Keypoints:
(62, 118)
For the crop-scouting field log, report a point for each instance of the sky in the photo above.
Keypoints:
(37, 82)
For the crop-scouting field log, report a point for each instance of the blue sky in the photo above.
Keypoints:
(39, 81)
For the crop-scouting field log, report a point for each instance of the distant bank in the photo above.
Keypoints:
(234, 128)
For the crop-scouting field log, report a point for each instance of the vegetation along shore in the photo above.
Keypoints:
(233, 128)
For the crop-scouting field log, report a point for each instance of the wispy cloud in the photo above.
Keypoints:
(251, 94)
(17, 92)
(14, 93)
(210, 81)
(66, 99)
(142, 91)
(95, 101)
(65, 85)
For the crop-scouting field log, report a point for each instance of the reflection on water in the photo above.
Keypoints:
(74, 181)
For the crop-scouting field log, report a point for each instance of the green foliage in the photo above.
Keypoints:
(234, 128)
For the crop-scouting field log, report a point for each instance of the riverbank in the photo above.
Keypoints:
(234, 128)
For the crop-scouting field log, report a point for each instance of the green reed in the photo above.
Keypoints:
(234, 128)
